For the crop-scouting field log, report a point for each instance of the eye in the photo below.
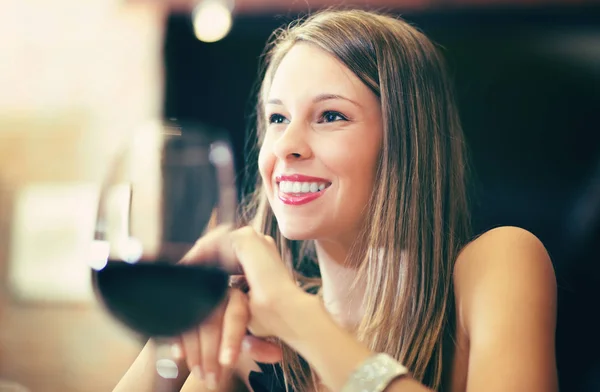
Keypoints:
(332, 116)
(276, 118)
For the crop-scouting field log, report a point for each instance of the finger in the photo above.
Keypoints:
(214, 248)
(208, 247)
(210, 342)
(191, 350)
(256, 328)
(261, 350)
(258, 257)
(235, 321)
(177, 349)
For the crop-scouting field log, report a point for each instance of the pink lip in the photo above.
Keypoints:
(296, 199)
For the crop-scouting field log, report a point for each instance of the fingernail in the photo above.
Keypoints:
(197, 372)
(246, 345)
(226, 357)
(211, 381)
(176, 351)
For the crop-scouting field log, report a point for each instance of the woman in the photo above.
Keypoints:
(362, 170)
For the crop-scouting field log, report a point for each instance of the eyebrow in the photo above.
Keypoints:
(318, 98)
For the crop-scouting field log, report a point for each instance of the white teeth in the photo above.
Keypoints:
(300, 187)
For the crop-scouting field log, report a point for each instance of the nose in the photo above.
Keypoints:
(293, 143)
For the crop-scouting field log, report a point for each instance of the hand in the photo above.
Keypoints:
(274, 295)
(273, 291)
(218, 341)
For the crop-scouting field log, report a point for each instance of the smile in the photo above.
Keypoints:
(298, 189)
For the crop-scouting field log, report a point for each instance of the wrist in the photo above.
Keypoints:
(299, 315)
(332, 351)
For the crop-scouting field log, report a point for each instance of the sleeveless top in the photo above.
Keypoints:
(270, 379)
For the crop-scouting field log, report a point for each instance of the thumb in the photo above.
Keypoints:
(261, 350)
(258, 257)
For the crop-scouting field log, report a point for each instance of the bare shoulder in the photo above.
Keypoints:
(506, 252)
(506, 305)
(504, 260)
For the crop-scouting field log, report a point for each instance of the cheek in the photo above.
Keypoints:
(354, 161)
(266, 164)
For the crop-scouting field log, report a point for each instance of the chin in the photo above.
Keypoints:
(297, 233)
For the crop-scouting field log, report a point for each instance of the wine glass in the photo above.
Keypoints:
(159, 196)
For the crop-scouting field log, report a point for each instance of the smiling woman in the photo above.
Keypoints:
(362, 170)
(393, 160)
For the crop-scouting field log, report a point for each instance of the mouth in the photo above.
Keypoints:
(298, 189)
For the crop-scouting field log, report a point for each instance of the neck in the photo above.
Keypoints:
(343, 296)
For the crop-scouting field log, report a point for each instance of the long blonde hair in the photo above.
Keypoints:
(418, 210)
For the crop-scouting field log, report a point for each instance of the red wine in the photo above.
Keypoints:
(160, 299)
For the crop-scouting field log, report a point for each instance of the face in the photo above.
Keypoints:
(320, 150)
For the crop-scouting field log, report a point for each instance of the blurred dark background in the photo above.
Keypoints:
(528, 84)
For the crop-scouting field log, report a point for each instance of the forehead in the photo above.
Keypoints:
(307, 70)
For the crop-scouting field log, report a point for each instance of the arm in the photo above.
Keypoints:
(232, 380)
(141, 375)
(333, 352)
(228, 383)
(506, 290)
(506, 293)
(280, 308)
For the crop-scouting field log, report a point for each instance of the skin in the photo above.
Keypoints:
(506, 305)
(504, 283)
(323, 122)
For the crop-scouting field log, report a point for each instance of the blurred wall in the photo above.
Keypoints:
(76, 77)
